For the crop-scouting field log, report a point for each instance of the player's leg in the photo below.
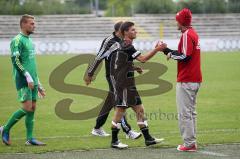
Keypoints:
(98, 130)
(116, 125)
(142, 123)
(124, 124)
(5, 130)
(103, 115)
(127, 97)
(126, 127)
(101, 120)
(109, 103)
(29, 119)
(194, 112)
(185, 97)
(24, 96)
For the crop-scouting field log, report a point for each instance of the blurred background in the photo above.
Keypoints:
(78, 26)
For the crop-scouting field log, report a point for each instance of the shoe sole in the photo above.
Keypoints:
(153, 143)
(156, 142)
(28, 144)
(115, 147)
(186, 150)
(190, 150)
(35, 145)
(99, 135)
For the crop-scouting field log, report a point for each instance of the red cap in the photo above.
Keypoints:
(184, 17)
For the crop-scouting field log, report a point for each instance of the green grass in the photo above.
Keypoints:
(218, 106)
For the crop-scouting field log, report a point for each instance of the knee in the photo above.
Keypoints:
(29, 106)
(34, 106)
(120, 111)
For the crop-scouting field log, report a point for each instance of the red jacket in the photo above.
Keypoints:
(189, 71)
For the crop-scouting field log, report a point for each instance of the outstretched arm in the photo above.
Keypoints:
(150, 54)
(174, 54)
(185, 54)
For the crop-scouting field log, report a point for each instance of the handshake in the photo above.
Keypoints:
(161, 46)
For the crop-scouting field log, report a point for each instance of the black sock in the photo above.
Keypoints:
(115, 135)
(145, 133)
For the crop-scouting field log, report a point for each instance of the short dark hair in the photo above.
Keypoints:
(117, 26)
(125, 26)
(24, 18)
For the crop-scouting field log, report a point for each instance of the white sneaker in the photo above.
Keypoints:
(133, 135)
(99, 132)
(119, 145)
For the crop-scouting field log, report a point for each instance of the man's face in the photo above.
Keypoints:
(131, 33)
(29, 26)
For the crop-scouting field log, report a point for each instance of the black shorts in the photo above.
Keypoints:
(127, 97)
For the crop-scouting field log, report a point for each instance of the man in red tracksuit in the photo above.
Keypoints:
(189, 78)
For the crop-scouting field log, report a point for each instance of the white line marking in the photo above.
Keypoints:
(212, 153)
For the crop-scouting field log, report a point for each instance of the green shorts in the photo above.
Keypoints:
(26, 93)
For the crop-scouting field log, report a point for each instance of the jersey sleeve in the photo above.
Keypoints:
(97, 60)
(93, 66)
(188, 45)
(174, 54)
(15, 47)
(134, 53)
(107, 47)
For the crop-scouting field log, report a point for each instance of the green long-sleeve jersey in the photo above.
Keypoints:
(23, 59)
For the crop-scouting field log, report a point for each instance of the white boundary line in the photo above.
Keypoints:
(210, 153)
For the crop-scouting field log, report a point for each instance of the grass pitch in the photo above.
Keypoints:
(218, 107)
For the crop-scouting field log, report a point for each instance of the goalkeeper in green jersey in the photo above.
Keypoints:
(27, 81)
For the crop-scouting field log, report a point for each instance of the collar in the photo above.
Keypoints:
(27, 36)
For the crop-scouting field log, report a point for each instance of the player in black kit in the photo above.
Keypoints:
(108, 47)
(126, 94)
